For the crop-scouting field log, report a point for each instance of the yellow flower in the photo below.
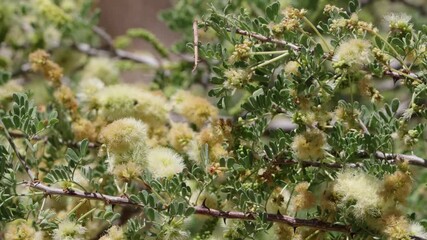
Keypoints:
(353, 53)
(126, 140)
(280, 201)
(19, 229)
(101, 68)
(292, 68)
(164, 162)
(303, 199)
(236, 78)
(8, 89)
(396, 227)
(123, 134)
(397, 186)
(309, 145)
(121, 101)
(127, 171)
(69, 230)
(361, 188)
(196, 109)
(65, 96)
(179, 136)
(114, 233)
(40, 62)
(52, 12)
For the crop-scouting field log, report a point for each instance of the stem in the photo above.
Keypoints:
(317, 32)
(41, 208)
(86, 214)
(270, 61)
(403, 74)
(294, 222)
(83, 201)
(388, 45)
(265, 39)
(269, 52)
(18, 155)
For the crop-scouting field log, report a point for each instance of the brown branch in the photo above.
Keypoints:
(196, 45)
(294, 222)
(316, 164)
(125, 55)
(412, 159)
(104, 36)
(201, 210)
(263, 38)
(108, 199)
(40, 138)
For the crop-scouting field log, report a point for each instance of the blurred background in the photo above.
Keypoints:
(118, 16)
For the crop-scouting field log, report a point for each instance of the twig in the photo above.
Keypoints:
(316, 164)
(39, 138)
(412, 159)
(294, 222)
(104, 36)
(196, 44)
(18, 155)
(108, 199)
(87, 49)
(265, 39)
(363, 126)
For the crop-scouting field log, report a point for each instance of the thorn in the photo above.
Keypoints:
(295, 229)
(204, 204)
(225, 220)
(278, 212)
(395, 80)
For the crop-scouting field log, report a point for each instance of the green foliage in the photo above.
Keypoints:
(311, 104)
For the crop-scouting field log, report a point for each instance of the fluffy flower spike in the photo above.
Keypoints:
(164, 162)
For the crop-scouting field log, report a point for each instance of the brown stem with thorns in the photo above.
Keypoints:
(265, 39)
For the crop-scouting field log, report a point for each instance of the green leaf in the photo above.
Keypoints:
(395, 105)
(180, 209)
(272, 10)
(57, 175)
(189, 211)
(150, 213)
(83, 147)
(353, 5)
(72, 157)
(318, 51)
(4, 77)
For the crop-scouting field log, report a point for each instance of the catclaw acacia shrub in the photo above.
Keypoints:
(304, 125)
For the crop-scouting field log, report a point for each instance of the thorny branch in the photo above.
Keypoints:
(201, 210)
(265, 39)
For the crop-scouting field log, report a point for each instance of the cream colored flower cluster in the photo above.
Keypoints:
(378, 201)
